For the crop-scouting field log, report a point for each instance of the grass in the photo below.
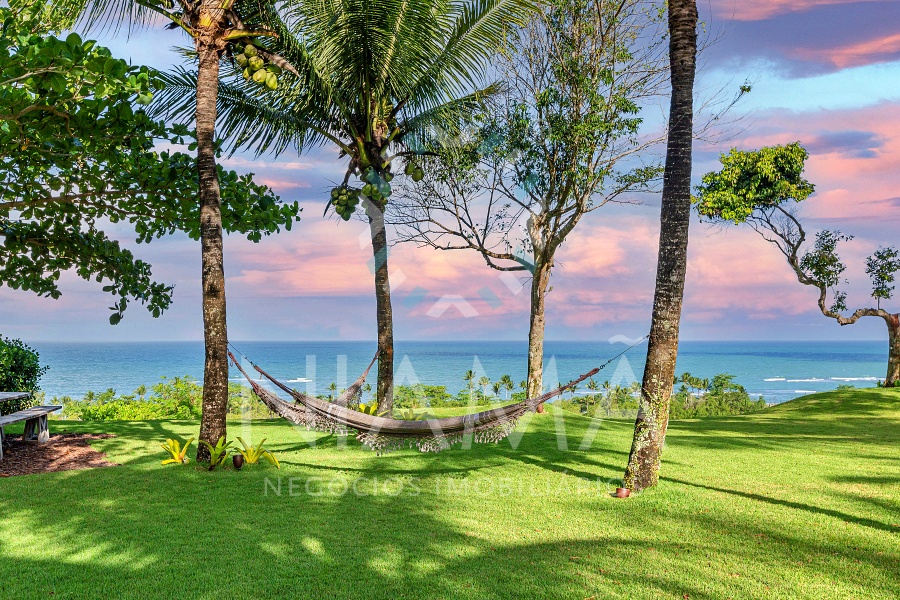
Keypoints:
(799, 501)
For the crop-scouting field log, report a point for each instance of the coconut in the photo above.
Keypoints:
(418, 174)
(256, 63)
(249, 50)
(271, 81)
(241, 59)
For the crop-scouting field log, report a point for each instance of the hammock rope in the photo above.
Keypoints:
(382, 433)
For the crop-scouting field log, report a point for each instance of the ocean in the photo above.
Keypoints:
(777, 371)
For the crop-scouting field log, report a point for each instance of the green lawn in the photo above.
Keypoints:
(800, 501)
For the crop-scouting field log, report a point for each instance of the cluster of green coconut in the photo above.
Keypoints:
(376, 187)
(256, 68)
(414, 171)
(345, 200)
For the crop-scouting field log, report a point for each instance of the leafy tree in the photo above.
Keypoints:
(60, 180)
(761, 188)
(377, 79)
(216, 28)
(675, 216)
(561, 142)
(20, 371)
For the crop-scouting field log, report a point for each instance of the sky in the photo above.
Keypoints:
(823, 72)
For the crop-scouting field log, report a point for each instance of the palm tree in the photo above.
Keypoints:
(333, 389)
(484, 383)
(659, 372)
(496, 387)
(507, 383)
(215, 27)
(469, 378)
(378, 80)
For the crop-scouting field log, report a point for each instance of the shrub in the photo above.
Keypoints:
(20, 371)
(179, 398)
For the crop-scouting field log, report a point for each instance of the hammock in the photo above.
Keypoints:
(383, 434)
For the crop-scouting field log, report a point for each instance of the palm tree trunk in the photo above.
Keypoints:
(385, 387)
(893, 370)
(659, 373)
(539, 283)
(215, 372)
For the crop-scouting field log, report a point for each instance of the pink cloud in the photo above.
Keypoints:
(854, 55)
(763, 9)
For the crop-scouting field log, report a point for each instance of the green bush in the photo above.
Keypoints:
(20, 371)
(695, 397)
(179, 398)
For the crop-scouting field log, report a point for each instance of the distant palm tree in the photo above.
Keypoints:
(333, 389)
(484, 382)
(523, 385)
(469, 378)
(496, 387)
(508, 385)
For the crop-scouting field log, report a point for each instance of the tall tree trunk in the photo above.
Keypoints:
(385, 387)
(215, 333)
(539, 283)
(659, 373)
(893, 371)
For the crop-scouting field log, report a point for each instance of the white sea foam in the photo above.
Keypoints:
(774, 379)
(814, 379)
(804, 391)
(298, 380)
(855, 378)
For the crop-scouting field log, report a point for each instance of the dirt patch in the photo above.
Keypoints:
(64, 452)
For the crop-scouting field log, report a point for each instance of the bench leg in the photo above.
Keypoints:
(43, 430)
(28, 434)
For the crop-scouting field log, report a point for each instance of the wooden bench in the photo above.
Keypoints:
(36, 426)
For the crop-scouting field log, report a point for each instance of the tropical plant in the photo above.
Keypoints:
(507, 383)
(177, 451)
(218, 453)
(371, 409)
(761, 188)
(675, 215)
(252, 454)
(408, 414)
(61, 183)
(562, 140)
(20, 371)
(378, 80)
(217, 28)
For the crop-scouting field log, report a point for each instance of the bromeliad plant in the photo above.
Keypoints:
(252, 454)
(217, 453)
(179, 453)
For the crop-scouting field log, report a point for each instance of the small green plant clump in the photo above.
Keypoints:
(218, 453)
(178, 452)
(252, 454)
(20, 371)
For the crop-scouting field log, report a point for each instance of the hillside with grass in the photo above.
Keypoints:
(801, 500)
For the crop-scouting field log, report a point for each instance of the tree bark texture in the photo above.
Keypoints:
(539, 283)
(384, 391)
(893, 371)
(215, 333)
(653, 415)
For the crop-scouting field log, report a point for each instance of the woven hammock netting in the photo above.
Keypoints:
(383, 434)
